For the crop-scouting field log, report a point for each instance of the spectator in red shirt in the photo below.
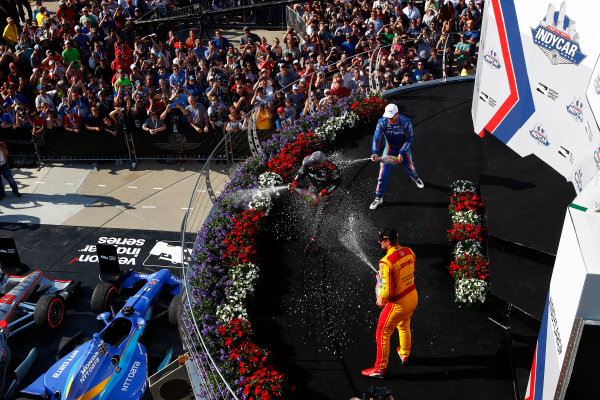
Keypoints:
(72, 122)
(339, 90)
(64, 10)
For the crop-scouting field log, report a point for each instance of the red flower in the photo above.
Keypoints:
(467, 266)
(460, 232)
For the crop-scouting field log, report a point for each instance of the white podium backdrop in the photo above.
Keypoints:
(538, 82)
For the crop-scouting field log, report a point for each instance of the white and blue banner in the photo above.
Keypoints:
(547, 101)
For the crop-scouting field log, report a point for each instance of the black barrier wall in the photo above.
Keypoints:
(58, 143)
(181, 144)
(132, 145)
(19, 141)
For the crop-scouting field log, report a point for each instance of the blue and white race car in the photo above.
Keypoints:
(113, 364)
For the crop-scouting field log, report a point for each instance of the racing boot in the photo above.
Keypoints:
(374, 372)
(376, 203)
(418, 182)
(403, 360)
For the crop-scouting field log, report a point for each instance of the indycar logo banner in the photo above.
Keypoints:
(544, 77)
(557, 38)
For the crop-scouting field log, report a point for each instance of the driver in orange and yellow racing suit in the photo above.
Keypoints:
(397, 294)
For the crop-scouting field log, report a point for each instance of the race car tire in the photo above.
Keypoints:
(175, 308)
(49, 311)
(103, 296)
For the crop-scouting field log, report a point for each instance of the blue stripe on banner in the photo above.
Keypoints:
(541, 354)
(524, 108)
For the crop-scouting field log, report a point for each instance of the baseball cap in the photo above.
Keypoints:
(388, 233)
(40, 87)
(77, 28)
(390, 110)
(296, 62)
(12, 64)
(192, 78)
(67, 42)
(295, 86)
(37, 47)
(280, 109)
(314, 159)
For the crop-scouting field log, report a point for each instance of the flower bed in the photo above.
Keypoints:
(470, 267)
(226, 266)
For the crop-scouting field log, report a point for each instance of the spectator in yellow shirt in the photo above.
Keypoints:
(263, 118)
(40, 16)
(11, 32)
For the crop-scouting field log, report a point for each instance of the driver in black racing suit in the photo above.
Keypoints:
(323, 177)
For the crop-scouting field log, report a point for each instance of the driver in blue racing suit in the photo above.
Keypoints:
(397, 131)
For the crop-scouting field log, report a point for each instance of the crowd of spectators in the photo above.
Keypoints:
(90, 67)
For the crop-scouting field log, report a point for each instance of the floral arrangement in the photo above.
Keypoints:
(269, 180)
(257, 379)
(366, 108)
(226, 265)
(465, 201)
(261, 201)
(292, 154)
(243, 278)
(466, 266)
(460, 232)
(330, 128)
(470, 268)
(469, 247)
(461, 186)
(241, 239)
(471, 291)
(469, 217)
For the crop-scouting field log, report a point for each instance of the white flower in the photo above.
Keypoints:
(331, 127)
(261, 201)
(463, 186)
(269, 179)
(470, 291)
(469, 247)
(243, 277)
(466, 217)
